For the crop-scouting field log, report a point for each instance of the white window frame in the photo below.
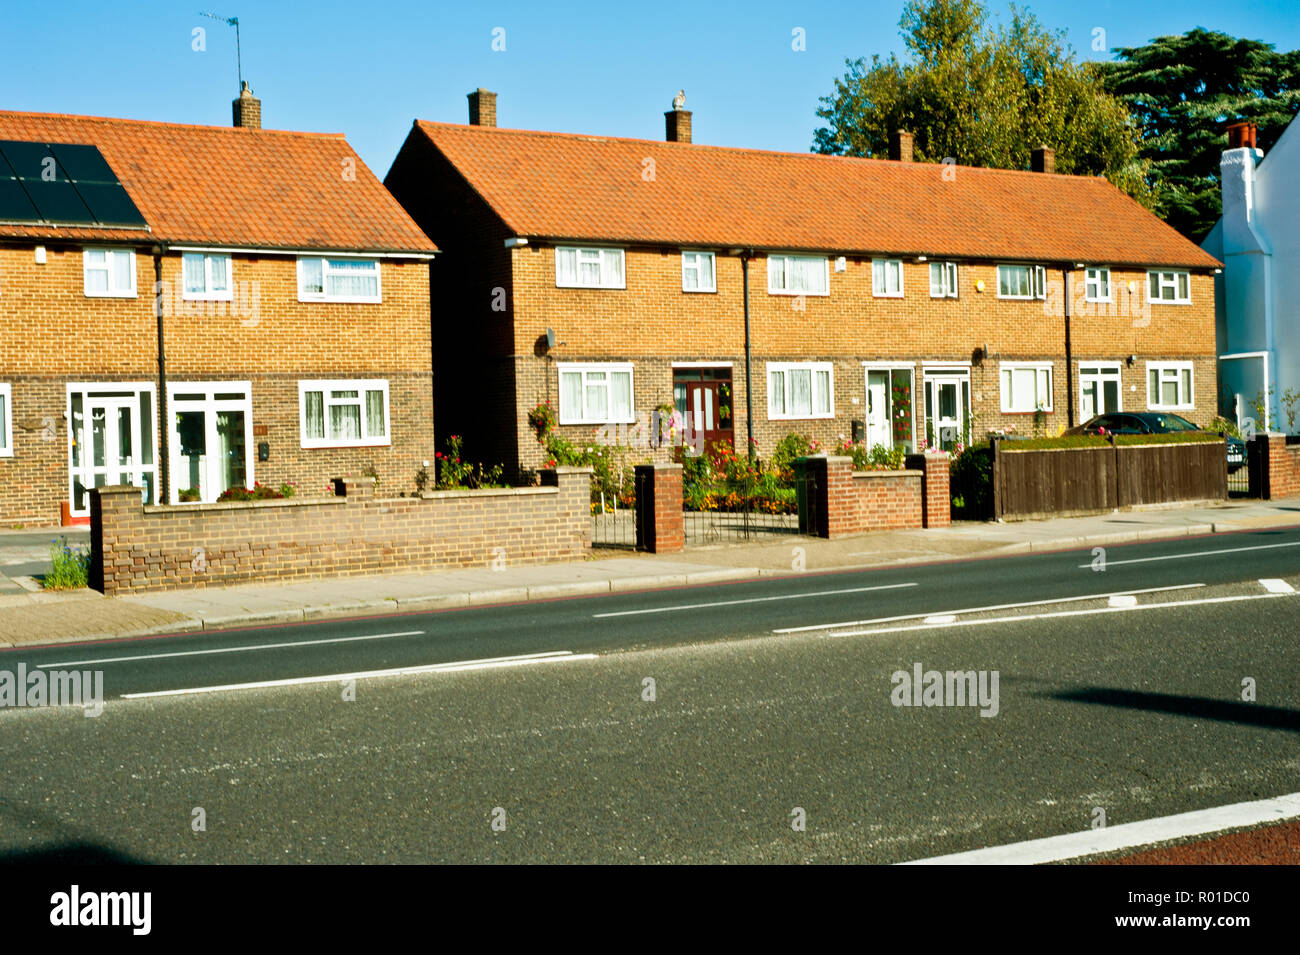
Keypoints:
(1093, 278)
(7, 421)
(1043, 370)
(1168, 278)
(1104, 371)
(813, 368)
(1175, 369)
(1037, 282)
(713, 271)
(208, 295)
(786, 261)
(604, 257)
(359, 385)
(880, 279)
(947, 280)
(107, 268)
(324, 296)
(584, 369)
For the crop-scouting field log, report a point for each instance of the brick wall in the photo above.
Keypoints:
(1278, 465)
(52, 334)
(854, 502)
(660, 521)
(136, 548)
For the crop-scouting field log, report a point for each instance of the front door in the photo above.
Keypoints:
(111, 441)
(1099, 391)
(947, 396)
(703, 397)
(209, 447)
(878, 416)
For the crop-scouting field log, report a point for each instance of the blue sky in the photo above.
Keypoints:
(369, 69)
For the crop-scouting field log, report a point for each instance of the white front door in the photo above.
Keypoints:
(878, 417)
(1099, 390)
(111, 440)
(209, 442)
(947, 396)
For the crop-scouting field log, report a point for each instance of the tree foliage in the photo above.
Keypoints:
(1183, 92)
(985, 95)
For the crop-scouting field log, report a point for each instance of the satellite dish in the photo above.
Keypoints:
(550, 338)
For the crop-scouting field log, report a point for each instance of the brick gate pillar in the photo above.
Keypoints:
(660, 524)
(936, 497)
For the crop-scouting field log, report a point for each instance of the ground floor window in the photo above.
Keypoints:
(111, 440)
(1026, 386)
(800, 390)
(889, 407)
(6, 422)
(209, 442)
(1100, 390)
(1169, 385)
(596, 393)
(343, 413)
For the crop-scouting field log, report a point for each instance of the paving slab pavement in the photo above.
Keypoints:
(30, 617)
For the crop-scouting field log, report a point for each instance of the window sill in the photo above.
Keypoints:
(341, 301)
(352, 444)
(111, 295)
(224, 297)
(596, 288)
(797, 294)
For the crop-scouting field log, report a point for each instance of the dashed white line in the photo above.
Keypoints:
(1199, 553)
(554, 656)
(260, 646)
(1130, 835)
(751, 600)
(1276, 585)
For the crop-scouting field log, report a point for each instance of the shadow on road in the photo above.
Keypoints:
(70, 853)
(1199, 707)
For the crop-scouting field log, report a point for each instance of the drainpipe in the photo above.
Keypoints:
(1069, 357)
(164, 458)
(749, 392)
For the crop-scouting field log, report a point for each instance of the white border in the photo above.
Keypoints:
(686, 252)
(592, 248)
(826, 264)
(205, 296)
(108, 251)
(1169, 301)
(899, 293)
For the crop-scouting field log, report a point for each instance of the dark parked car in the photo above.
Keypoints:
(1155, 422)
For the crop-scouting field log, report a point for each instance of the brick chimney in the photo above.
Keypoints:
(482, 107)
(1242, 135)
(1043, 159)
(247, 109)
(900, 146)
(677, 121)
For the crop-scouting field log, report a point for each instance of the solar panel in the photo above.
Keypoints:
(62, 184)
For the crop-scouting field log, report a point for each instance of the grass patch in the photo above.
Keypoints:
(69, 566)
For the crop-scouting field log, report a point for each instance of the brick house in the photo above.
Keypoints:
(293, 343)
(906, 303)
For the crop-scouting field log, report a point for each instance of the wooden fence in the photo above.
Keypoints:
(1064, 482)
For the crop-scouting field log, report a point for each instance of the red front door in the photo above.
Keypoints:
(708, 408)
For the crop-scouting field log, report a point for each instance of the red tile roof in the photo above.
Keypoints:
(223, 186)
(566, 186)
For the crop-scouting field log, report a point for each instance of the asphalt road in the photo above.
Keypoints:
(1133, 711)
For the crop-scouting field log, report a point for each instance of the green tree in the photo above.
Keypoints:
(1183, 92)
(985, 96)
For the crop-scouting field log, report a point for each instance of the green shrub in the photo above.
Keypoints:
(790, 447)
(69, 566)
(970, 476)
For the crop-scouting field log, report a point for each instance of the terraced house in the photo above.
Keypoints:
(904, 303)
(190, 309)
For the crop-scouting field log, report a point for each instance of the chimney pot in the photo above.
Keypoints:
(482, 107)
(900, 146)
(247, 109)
(1043, 159)
(1242, 135)
(677, 125)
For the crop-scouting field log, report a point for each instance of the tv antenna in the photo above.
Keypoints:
(234, 22)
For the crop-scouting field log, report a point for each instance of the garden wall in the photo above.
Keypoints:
(842, 501)
(1274, 467)
(136, 548)
(1062, 482)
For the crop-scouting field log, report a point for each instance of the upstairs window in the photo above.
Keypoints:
(698, 272)
(1096, 283)
(589, 268)
(798, 275)
(887, 278)
(1171, 287)
(943, 280)
(206, 277)
(1022, 281)
(109, 273)
(338, 280)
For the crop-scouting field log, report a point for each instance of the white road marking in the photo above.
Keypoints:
(1058, 613)
(1025, 603)
(260, 646)
(750, 600)
(1276, 585)
(1199, 553)
(1130, 835)
(1122, 600)
(941, 618)
(553, 656)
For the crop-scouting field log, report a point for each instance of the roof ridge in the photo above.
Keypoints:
(854, 160)
(113, 120)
